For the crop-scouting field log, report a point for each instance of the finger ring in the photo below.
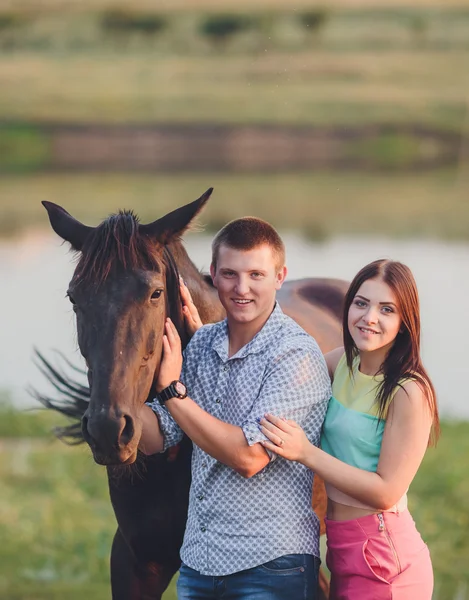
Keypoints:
(281, 442)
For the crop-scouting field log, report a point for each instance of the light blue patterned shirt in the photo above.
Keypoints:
(236, 523)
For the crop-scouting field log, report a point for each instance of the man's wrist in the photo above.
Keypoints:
(176, 389)
(162, 385)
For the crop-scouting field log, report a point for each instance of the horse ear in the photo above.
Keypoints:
(65, 226)
(176, 222)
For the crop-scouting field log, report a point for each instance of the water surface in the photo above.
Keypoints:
(35, 271)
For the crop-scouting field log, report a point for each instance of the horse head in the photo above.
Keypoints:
(124, 286)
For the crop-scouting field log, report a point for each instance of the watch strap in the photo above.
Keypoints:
(168, 392)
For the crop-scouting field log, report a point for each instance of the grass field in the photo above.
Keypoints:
(381, 63)
(318, 205)
(324, 88)
(56, 522)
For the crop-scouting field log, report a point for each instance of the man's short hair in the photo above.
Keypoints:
(248, 233)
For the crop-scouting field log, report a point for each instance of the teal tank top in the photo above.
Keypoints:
(352, 431)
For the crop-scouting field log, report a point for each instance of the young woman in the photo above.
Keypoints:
(375, 434)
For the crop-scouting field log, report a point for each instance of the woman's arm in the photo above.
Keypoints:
(405, 440)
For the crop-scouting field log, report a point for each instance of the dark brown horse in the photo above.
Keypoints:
(125, 284)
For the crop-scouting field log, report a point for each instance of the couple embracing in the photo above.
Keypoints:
(266, 410)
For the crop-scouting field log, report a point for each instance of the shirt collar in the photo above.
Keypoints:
(265, 336)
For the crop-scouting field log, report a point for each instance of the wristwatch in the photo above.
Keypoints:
(176, 389)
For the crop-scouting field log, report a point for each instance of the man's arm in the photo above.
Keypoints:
(225, 442)
(296, 385)
(159, 430)
(152, 439)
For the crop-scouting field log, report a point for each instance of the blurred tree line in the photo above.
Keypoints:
(403, 27)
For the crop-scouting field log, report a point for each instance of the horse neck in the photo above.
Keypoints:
(204, 295)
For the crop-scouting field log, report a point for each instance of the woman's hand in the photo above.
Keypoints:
(171, 365)
(189, 309)
(287, 439)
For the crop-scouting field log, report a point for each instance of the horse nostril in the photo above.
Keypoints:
(127, 432)
(107, 433)
(84, 430)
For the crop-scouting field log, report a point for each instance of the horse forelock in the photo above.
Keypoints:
(116, 244)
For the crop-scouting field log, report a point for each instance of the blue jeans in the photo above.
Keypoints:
(290, 577)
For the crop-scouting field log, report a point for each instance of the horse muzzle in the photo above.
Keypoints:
(112, 438)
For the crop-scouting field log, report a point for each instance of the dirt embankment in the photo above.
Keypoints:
(253, 148)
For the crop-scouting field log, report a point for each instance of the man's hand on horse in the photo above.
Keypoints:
(191, 314)
(171, 365)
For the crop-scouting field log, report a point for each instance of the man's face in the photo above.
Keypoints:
(247, 281)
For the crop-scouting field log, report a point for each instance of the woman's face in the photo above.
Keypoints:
(373, 318)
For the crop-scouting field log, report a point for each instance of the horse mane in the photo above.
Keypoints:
(116, 243)
(207, 278)
(73, 401)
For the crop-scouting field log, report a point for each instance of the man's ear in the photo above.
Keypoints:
(280, 277)
(213, 273)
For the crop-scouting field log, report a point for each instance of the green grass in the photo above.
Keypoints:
(323, 88)
(439, 504)
(23, 148)
(370, 65)
(56, 521)
(320, 205)
(28, 423)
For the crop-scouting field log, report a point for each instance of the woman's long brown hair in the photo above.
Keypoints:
(403, 359)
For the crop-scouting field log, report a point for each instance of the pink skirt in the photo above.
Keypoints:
(378, 557)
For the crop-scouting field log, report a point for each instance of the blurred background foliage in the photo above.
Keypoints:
(385, 83)
(73, 64)
(393, 74)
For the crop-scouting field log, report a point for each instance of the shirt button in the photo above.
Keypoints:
(227, 368)
(203, 529)
(218, 401)
(204, 464)
(200, 497)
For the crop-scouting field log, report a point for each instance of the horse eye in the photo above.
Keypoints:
(71, 298)
(156, 294)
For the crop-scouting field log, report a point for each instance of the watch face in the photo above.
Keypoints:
(180, 388)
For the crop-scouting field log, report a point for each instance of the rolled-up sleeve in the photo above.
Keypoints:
(296, 387)
(172, 433)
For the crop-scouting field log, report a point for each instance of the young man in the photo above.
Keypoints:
(251, 531)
